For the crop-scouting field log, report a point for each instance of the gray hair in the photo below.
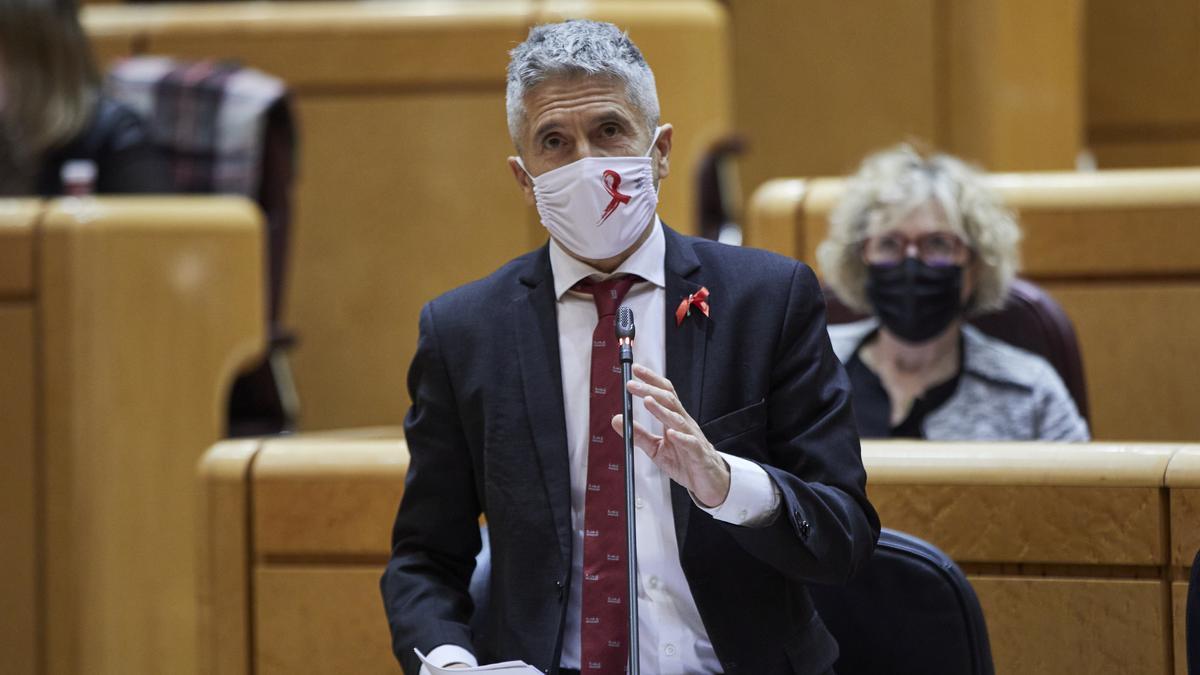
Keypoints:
(578, 47)
(887, 187)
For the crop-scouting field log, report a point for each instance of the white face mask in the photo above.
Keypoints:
(597, 207)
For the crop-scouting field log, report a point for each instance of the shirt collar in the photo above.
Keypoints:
(646, 262)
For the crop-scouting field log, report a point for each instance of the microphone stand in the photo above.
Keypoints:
(625, 332)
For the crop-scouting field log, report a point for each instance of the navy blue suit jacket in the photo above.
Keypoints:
(486, 435)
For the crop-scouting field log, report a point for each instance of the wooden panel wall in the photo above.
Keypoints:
(404, 191)
(1013, 83)
(821, 83)
(1143, 82)
(1065, 625)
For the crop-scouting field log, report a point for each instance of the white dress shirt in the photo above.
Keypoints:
(671, 635)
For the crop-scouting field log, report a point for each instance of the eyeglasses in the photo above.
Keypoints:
(932, 248)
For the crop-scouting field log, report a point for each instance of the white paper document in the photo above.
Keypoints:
(506, 668)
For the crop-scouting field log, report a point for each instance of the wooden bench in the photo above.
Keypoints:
(1068, 547)
(122, 325)
(296, 537)
(403, 188)
(1120, 250)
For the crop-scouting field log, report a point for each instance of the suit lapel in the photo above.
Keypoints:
(686, 345)
(535, 323)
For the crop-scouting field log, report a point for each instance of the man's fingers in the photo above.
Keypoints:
(669, 418)
(642, 437)
(649, 376)
(663, 396)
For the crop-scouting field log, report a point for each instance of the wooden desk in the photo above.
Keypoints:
(301, 574)
(1066, 545)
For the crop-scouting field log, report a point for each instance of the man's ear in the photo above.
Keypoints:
(523, 179)
(662, 162)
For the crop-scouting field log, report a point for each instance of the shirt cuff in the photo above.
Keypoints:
(444, 655)
(753, 497)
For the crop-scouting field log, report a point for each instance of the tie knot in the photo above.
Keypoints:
(607, 294)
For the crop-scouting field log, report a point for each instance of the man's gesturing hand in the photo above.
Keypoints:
(682, 451)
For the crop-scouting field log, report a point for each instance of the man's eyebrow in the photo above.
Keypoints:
(611, 116)
(545, 128)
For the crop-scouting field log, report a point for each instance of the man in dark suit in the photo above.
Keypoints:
(749, 480)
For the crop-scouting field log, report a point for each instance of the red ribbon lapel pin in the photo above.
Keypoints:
(699, 300)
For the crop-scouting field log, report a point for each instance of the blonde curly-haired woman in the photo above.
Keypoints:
(920, 243)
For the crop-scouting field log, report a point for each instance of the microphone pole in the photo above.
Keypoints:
(625, 331)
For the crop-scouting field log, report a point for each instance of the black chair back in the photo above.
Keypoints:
(909, 611)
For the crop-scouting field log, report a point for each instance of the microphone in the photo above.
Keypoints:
(625, 332)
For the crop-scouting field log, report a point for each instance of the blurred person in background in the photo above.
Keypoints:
(52, 111)
(920, 243)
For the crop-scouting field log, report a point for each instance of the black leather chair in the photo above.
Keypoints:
(1030, 319)
(1193, 618)
(909, 611)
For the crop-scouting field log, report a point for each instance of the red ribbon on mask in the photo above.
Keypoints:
(612, 183)
(697, 300)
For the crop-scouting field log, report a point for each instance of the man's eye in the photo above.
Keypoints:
(552, 143)
(610, 130)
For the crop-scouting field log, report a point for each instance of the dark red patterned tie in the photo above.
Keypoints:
(605, 622)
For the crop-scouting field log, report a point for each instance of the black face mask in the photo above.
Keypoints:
(915, 301)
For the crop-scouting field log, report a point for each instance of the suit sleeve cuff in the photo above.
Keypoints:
(444, 655)
(753, 498)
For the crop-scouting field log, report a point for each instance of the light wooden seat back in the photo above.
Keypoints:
(122, 324)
